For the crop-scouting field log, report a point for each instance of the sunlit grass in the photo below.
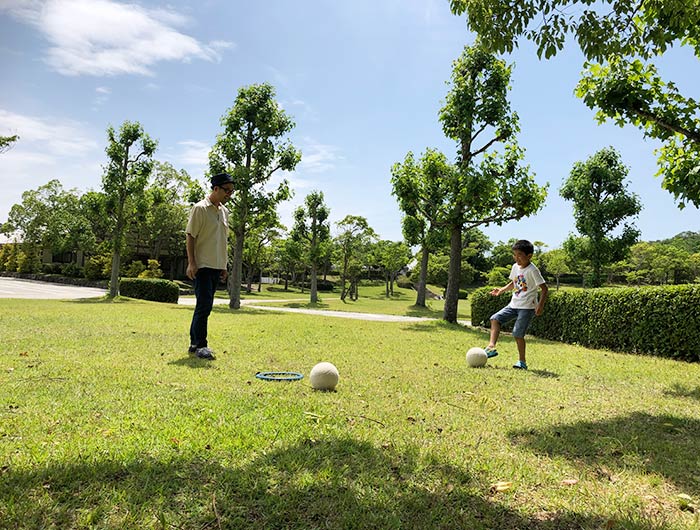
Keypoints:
(107, 422)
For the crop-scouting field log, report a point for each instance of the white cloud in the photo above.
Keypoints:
(317, 157)
(48, 148)
(46, 135)
(193, 153)
(103, 37)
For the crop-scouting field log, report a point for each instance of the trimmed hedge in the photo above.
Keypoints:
(662, 321)
(153, 289)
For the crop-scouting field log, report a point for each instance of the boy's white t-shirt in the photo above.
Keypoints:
(525, 283)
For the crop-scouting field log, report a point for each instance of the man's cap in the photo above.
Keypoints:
(220, 179)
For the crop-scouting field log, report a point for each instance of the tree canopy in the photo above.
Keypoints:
(620, 39)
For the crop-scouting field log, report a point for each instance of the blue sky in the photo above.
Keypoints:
(364, 81)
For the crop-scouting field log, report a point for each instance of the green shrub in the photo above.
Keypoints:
(28, 262)
(403, 282)
(134, 269)
(152, 271)
(73, 270)
(662, 321)
(499, 276)
(484, 305)
(463, 295)
(153, 289)
(98, 267)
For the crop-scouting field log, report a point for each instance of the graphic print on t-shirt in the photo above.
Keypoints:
(520, 284)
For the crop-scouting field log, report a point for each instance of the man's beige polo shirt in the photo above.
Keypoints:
(208, 225)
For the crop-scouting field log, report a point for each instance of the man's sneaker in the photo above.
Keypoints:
(520, 365)
(205, 353)
(490, 352)
(192, 349)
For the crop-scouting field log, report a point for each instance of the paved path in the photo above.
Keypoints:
(18, 288)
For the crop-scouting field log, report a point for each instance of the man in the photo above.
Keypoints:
(207, 257)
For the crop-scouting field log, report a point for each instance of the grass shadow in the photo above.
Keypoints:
(191, 361)
(683, 392)
(662, 444)
(327, 483)
(545, 374)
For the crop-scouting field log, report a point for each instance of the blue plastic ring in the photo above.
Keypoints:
(279, 376)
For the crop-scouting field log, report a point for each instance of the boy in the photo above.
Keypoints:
(525, 278)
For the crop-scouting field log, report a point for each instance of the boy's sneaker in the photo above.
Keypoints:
(490, 352)
(205, 353)
(520, 365)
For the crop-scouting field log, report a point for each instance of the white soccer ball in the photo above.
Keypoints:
(476, 357)
(324, 376)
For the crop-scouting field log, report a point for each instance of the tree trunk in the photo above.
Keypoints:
(386, 283)
(314, 284)
(453, 278)
(114, 281)
(234, 287)
(420, 298)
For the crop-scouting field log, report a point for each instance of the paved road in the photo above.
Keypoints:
(17, 288)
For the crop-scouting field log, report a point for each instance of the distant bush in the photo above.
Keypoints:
(134, 269)
(73, 270)
(51, 268)
(403, 282)
(156, 290)
(98, 267)
(152, 271)
(662, 321)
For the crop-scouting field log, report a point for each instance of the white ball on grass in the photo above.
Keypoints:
(476, 357)
(324, 376)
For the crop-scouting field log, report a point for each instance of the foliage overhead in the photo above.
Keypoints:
(619, 39)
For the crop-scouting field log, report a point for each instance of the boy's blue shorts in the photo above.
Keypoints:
(523, 318)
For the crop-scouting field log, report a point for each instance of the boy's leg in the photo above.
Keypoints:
(495, 332)
(521, 324)
(521, 349)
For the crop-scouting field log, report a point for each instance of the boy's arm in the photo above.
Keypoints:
(543, 298)
(496, 292)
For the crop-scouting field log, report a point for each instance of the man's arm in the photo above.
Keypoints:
(191, 261)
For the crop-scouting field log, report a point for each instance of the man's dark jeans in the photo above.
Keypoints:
(205, 283)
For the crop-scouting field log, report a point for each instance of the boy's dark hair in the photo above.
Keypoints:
(524, 246)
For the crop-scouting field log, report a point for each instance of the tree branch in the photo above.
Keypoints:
(484, 148)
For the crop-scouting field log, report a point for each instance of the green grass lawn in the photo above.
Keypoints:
(107, 422)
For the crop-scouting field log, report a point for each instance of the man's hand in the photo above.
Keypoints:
(191, 270)
(224, 275)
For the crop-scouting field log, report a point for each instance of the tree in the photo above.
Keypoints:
(49, 218)
(6, 142)
(130, 164)
(619, 38)
(391, 257)
(555, 262)
(251, 149)
(417, 187)
(484, 186)
(601, 204)
(352, 246)
(165, 216)
(312, 229)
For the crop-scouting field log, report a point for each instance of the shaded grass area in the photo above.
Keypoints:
(105, 421)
